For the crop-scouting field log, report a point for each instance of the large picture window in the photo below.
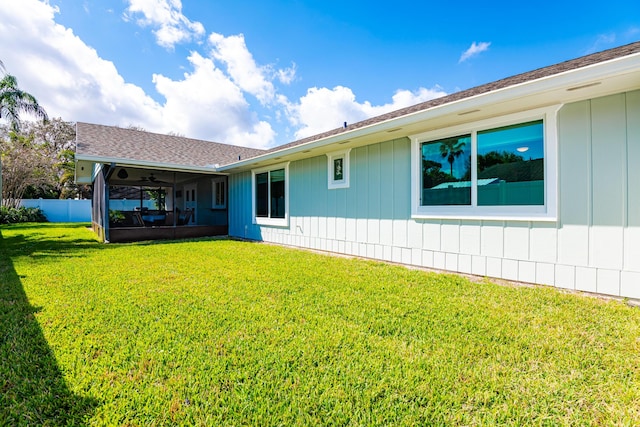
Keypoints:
(270, 195)
(502, 168)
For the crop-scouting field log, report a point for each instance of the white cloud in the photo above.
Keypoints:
(602, 41)
(67, 77)
(166, 15)
(632, 32)
(474, 50)
(241, 66)
(288, 75)
(323, 109)
(71, 81)
(208, 104)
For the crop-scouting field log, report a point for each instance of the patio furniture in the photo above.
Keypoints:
(185, 217)
(154, 217)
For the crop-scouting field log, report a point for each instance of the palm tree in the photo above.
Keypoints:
(451, 149)
(14, 101)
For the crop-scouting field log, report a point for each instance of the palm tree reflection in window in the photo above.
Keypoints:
(438, 186)
(451, 149)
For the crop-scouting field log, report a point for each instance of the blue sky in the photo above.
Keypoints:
(263, 73)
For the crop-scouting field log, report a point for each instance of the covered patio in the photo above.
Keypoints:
(150, 186)
(133, 204)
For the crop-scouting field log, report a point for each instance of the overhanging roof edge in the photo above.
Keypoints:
(543, 84)
(145, 164)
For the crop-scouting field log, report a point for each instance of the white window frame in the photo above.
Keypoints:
(274, 222)
(338, 183)
(214, 181)
(546, 212)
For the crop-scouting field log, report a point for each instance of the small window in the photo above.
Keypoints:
(338, 169)
(219, 196)
(270, 195)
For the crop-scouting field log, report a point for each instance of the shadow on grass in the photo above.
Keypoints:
(32, 388)
(43, 245)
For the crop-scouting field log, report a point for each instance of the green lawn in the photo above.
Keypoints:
(216, 332)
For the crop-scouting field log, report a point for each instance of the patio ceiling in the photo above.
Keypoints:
(137, 177)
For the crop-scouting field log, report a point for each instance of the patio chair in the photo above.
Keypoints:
(185, 217)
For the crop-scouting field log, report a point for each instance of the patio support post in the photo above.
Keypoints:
(107, 171)
(175, 212)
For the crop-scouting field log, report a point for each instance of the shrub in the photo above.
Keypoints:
(14, 215)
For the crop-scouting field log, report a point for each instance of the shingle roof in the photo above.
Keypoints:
(128, 144)
(573, 64)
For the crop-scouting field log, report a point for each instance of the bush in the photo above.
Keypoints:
(21, 214)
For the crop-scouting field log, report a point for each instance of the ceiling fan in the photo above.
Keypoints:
(152, 179)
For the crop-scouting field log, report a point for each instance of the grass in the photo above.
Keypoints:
(215, 332)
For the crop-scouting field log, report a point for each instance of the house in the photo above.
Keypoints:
(532, 178)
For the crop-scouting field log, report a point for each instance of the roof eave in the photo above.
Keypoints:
(146, 164)
(563, 81)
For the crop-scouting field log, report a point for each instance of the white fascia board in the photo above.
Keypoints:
(563, 81)
(147, 164)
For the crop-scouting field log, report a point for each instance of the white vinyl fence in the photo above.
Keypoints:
(71, 210)
(68, 210)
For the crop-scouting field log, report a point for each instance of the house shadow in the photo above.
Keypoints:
(32, 388)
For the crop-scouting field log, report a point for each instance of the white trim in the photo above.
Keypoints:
(214, 192)
(344, 182)
(146, 164)
(547, 212)
(543, 88)
(274, 222)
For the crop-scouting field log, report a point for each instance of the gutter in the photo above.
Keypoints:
(564, 80)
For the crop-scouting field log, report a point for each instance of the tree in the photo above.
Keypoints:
(451, 149)
(14, 101)
(24, 164)
(495, 158)
(432, 174)
(57, 138)
(39, 162)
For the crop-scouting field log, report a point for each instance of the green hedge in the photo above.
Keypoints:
(21, 214)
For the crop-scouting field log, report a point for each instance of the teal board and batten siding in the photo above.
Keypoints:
(594, 246)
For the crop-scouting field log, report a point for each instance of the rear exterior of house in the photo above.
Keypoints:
(574, 225)
(592, 245)
(532, 178)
